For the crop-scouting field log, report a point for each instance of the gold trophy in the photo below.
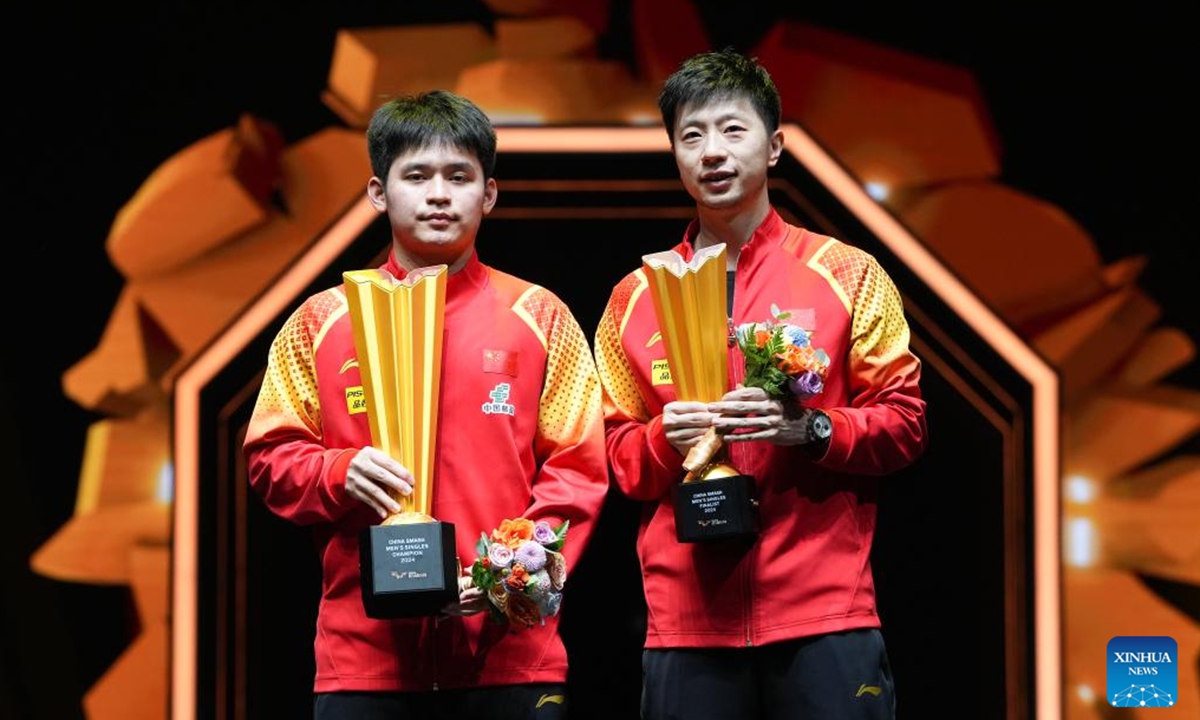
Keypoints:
(714, 500)
(408, 562)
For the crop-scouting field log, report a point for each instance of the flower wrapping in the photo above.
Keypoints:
(521, 568)
(781, 359)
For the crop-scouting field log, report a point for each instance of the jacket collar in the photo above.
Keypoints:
(471, 276)
(769, 233)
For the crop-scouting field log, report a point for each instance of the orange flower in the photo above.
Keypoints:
(517, 578)
(513, 532)
(762, 337)
(791, 360)
(795, 360)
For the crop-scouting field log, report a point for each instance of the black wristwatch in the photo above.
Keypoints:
(820, 427)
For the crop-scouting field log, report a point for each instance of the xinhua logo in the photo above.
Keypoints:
(1143, 672)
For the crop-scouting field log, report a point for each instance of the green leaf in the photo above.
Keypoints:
(481, 576)
(481, 547)
(561, 533)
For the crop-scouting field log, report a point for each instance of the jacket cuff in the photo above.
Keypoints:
(335, 478)
(666, 458)
(837, 451)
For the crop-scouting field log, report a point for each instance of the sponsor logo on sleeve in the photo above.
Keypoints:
(660, 372)
(356, 400)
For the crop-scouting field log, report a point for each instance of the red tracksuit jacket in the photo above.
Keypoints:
(506, 341)
(808, 572)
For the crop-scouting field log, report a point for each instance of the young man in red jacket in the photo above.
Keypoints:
(520, 434)
(785, 627)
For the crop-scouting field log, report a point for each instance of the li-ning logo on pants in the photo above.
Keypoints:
(1142, 671)
(556, 699)
(499, 404)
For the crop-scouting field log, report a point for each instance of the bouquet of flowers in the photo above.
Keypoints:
(521, 568)
(780, 358)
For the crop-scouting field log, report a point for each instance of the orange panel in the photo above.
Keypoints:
(1115, 431)
(121, 374)
(125, 460)
(550, 92)
(323, 174)
(889, 116)
(1091, 342)
(372, 63)
(135, 686)
(94, 547)
(544, 38)
(207, 194)
(1023, 256)
(1160, 353)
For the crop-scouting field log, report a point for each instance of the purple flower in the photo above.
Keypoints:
(806, 385)
(543, 533)
(500, 556)
(532, 555)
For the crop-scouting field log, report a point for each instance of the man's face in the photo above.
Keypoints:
(723, 151)
(435, 198)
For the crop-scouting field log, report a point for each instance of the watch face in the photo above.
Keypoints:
(820, 425)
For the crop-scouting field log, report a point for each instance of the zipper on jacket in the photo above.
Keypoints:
(737, 457)
(737, 374)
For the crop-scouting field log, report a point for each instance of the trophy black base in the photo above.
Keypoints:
(408, 570)
(716, 509)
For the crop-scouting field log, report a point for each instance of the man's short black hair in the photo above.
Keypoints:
(719, 75)
(438, 117)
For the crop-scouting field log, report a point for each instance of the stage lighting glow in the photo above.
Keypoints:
(1081, 550)
(877, 190)
(1080, 490)
(165, 491)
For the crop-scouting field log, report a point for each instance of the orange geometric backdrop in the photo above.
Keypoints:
(212, 222)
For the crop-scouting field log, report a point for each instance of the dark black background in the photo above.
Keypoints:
(1090, 110)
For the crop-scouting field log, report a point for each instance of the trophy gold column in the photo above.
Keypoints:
(408, 562)
(714, 500)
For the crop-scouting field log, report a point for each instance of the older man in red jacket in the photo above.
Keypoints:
(785, 627)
